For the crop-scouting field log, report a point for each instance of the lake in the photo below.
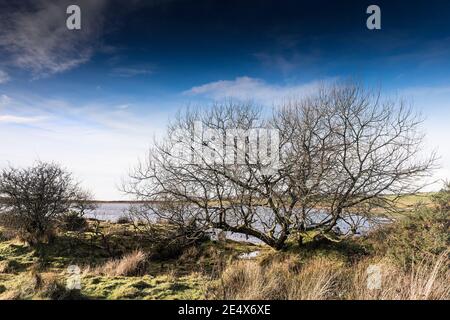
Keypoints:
(113, 211)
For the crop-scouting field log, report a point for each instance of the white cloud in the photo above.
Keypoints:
(4, 77)
(247, 88)
(35, 35)
(19, 120)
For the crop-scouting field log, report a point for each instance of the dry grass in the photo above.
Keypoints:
(287, 280)
(427, 280)
(321, 278)
(4, 267)
(132, 264)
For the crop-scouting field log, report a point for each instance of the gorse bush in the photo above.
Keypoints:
(420, 235)
(442, 199)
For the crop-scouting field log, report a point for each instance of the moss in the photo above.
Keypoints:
(166, 279)
(15, 257)
(146, 287)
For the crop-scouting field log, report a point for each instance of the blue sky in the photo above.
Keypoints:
(93, 99)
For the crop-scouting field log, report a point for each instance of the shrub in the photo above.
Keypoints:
(7, 234)
(36, 197)
(169, 240)
(73, 221)
(442, 198)
(169, 237)
(421, 235)
(123, 220)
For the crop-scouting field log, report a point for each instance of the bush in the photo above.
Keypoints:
(172, 248)
(35, 198)
(442, 198)
(169, 240)
(421, 235)
(123, 220)
(73, 221)
(7, 234)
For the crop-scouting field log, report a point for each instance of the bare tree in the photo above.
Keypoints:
(329, 158)
(35, 199)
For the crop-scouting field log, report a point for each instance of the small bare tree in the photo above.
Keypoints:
(36, 198)
(329, 158)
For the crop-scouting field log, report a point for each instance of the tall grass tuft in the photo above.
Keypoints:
(425, 280)
(277, 280)
(132, 264)
(323, 278)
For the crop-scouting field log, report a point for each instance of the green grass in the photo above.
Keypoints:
(183, 277)
(146, 287)
(41, 272)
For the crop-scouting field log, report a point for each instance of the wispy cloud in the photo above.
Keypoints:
(98, 141)
(425, 91)
(9, 114)
(247, 88)
(4, 100)
(35, 36)
(19, 120)
(128, 72)
(4, 77)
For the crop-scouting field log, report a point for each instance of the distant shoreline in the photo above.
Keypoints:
(120, 201)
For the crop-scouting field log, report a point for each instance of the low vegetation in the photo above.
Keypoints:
(324, 278)
(40, 198)
(115, 261)
(118, 262)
